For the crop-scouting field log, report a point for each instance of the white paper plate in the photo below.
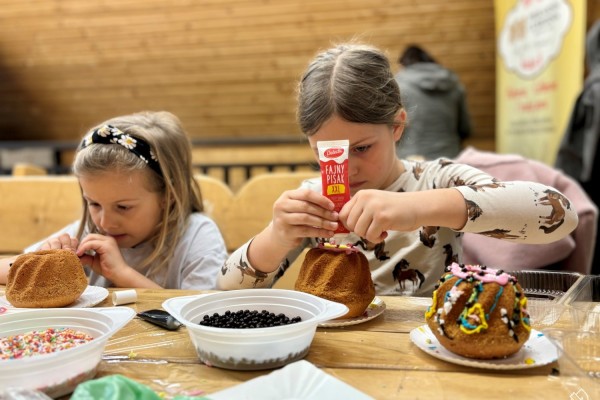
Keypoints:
(298, 380)
(91, 296)
(537, 351)
(374, 309)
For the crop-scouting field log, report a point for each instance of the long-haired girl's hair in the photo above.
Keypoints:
(179, 190)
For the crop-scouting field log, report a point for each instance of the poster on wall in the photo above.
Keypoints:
(539, 73)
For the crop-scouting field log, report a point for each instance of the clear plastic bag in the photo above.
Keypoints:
(22, 394)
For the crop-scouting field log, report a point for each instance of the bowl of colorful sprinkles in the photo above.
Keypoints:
(53, 350)
(252, 329)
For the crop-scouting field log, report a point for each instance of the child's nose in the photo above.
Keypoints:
(352, 167)
(107, 221)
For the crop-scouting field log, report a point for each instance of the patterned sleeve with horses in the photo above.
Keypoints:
(238, 273)
(516, 210)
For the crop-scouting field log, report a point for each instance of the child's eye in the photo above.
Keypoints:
(123, 208)
(92, 204)
(361, 149)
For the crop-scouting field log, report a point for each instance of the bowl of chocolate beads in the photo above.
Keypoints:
(53, 350)
(252, 329)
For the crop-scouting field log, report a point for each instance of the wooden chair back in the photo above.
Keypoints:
(217, 198)
(33, 207)
(252, 207)
(27, 169)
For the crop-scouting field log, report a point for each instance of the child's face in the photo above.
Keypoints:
(121, 206)
(373, 163)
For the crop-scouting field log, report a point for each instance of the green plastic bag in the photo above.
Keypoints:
(118, 387)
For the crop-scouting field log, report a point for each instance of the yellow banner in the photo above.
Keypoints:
(539, 73)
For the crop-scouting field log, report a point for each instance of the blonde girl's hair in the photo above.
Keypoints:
(171, 146)
(353, 81)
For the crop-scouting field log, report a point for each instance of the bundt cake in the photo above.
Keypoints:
(45, 278)
(479, 312)
(338, 273)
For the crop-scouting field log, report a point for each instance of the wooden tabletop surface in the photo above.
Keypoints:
(376, 357)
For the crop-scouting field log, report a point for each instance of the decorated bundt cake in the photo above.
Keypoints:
(45, 278)
(479, 312)
(338, 273)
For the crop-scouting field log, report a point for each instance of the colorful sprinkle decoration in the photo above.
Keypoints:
(41, 342)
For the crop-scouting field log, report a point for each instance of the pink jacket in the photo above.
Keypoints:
(572, 253)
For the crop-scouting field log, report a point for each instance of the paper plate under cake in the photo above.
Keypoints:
(91, 296)
(537, 351)
(376, 308)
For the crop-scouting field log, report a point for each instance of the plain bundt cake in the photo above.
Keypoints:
(479, 312)
(45, 278)
(338, 273)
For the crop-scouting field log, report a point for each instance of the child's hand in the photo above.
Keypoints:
(302, 213)
(371, 213)
(107, 260)
(63, 241)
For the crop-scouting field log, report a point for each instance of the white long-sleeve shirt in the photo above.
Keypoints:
(411, 263)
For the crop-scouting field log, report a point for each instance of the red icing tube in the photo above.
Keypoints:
(333, 159)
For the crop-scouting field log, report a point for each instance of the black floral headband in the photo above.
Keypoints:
(108, 134)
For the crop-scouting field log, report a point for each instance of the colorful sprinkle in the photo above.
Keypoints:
(529, 361)
(41, 342)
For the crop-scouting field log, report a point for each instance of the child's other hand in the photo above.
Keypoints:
(107, 260)
(371, 213)
(63, 241)
(302, 213)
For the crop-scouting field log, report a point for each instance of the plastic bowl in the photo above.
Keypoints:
(57, 374)
(256, 348)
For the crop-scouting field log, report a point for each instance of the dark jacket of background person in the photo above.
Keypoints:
(438, 119)
(578, 152)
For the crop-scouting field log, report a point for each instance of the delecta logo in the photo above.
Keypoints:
(334, 152)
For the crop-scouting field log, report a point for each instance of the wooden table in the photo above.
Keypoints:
(376, 357)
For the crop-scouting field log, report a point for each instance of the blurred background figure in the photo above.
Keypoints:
(434, 98)
(578, 151)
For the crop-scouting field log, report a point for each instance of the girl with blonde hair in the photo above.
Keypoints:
(142, 222)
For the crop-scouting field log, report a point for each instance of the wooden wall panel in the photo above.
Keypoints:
(228, 68)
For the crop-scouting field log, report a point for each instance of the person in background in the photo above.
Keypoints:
(142, 224)
(407, 217)
(578, 152)
(434, 99)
